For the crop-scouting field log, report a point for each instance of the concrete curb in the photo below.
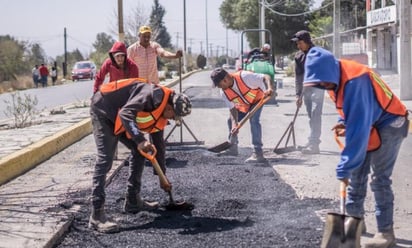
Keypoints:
(27, 158)
(16, 164)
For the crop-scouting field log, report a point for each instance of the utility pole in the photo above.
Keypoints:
(177, 40)
(405, 50)
(65, 54)
(184, 37)
(207, 38)
(120, 16)
(336, 27)
(262, 23)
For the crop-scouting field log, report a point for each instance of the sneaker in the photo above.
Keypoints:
(311, 149)
(232, 151)
(256, 158)
(382, 240)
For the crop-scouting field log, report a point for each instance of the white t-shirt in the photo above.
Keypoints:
(253, 80)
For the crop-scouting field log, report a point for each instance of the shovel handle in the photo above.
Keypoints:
(164, 182)
(252, 112)
(342, 197)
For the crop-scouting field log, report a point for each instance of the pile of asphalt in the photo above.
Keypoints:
(236, 205)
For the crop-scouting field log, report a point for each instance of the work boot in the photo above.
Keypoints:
(99, 222)
(311, 149)
(256, 158)
(382, 240)
(134, 204)
(232, 151)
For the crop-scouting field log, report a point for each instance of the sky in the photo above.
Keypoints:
(44, 21)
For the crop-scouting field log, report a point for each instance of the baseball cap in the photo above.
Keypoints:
(302, 35)
(217, 75)
(145, 29)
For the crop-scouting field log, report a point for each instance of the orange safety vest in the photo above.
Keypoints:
(388, 101)
(248, 95)
(118, 84)
(148, 122)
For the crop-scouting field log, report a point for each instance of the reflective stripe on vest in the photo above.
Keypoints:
(148, 122)
(248, 95)
(388, 101)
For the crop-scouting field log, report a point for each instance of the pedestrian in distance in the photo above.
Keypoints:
(44, 73)
(312, 97)
(145, 52)
(35, 75)
(125, 110)
(241, 91)
(118, 66)
(53, 74)
(374, 123)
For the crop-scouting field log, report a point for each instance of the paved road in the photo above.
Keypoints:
(238, 205)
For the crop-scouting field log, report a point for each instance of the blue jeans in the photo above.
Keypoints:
(313, 99)
(255, 129)
(381, 162)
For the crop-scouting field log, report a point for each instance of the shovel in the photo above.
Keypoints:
(342, 231)
(227, 144)
(165, 184)
(290, 132)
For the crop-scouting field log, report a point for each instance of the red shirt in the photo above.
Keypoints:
(43, 71)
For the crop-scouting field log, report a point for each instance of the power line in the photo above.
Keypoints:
(268, 6)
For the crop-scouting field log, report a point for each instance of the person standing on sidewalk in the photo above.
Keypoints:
(374, 123)
(53, 75)
(36, 75)
(118, 66)
(241, 91)
(145, 52)
(44, 73)
(312, 97)
(125, 110)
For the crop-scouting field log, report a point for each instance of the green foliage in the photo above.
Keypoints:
(159, 30)
(12, 57)
(21, 108)
(244, 14)
(201, 61)
(103, 43)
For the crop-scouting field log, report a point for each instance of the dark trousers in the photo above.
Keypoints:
(106, 143)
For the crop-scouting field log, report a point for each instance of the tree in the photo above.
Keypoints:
(12, 58)
(159, 30)
(36, 54)
(103, 43)
(282, 19)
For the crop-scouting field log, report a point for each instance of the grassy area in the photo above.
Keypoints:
(22, 83)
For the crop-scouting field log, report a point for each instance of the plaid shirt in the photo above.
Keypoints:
(146, 60)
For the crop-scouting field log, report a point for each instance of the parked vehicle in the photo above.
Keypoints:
(83, 70)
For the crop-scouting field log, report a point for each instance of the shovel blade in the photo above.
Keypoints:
(337, 234)
(220, 148)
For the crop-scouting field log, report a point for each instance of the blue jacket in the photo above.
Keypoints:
(361, 108)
